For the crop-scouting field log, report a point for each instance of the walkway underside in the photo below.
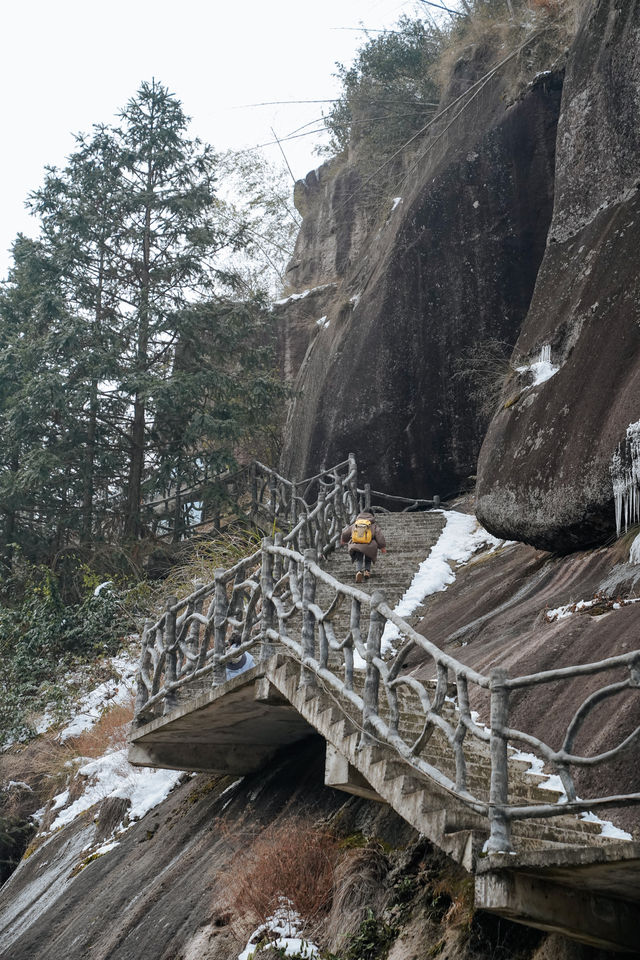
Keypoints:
(588, 892)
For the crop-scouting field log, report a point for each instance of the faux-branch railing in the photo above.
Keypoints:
(269, 599)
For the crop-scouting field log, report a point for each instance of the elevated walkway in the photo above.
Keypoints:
(388, 737)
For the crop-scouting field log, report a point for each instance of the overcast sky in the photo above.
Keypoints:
(67, 64)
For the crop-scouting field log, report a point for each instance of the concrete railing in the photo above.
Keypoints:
(267, 602)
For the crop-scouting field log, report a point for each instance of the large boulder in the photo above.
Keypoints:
(544, 472)
(448, 266)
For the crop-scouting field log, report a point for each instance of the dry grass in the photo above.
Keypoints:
(359, 886)
(198, 563)
(46, 764)
(290, 861)
(109, 732)
(490, 34)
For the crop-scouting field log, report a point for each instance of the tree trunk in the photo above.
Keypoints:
(137, 455)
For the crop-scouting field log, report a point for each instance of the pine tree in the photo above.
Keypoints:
(135, 360)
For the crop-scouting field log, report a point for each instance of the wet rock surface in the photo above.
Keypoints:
(450, 265)
(544, 468)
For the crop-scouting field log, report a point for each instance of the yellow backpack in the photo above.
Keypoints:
(362, 532)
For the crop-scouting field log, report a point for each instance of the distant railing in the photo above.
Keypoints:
(268, 601)
(370, 499)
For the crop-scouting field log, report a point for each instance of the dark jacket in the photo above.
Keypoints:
(369, 549)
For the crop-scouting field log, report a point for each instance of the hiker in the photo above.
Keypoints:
(244, 662)
(364, 536)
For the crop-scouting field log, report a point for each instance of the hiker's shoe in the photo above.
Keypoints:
(367, 574)
(359, 576)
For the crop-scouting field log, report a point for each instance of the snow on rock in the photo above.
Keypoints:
(112, 776)
(323, 322)
(282, 932)
(634, 552)
(396, 202)
(625, 476)
(301, 296)
(542, 369)
(461, 538)
(568, 609)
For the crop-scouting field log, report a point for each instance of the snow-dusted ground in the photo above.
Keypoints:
(110, 775)
(92, 705)
(282, 930)
(113, 776)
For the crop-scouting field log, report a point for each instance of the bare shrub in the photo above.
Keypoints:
(290, 861)
(359, 887)
(485, 369)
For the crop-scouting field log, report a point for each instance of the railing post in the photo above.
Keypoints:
(170, 700)
(320, 540)
(253, 482)
(353, 486)
(219, 628)
(142, 692)
(273, 497)
(294, 505)
(307, 676)
(500, 836)
(277, 560)
(372, 680)
(268, 610)
(193, 637)
(436, 500)
(354, 627)
(367, 496)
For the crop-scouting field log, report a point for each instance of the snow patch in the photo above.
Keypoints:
(323, 322)
(282, 931)
(301, 296)
(542, 369)
(461, 538)
(536, 765)
(568, 609)
(553, 783)
(112, 776)
(102, 586)
(634, 552)
(396, 202)
(112, 692)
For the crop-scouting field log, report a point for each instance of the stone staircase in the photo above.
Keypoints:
(564, 875)
(376, 771)
(410, 537)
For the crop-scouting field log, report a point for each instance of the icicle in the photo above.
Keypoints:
(625, 477)
(545, 353)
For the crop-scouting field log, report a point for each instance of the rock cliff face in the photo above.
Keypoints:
(544, 469)
(376, 351)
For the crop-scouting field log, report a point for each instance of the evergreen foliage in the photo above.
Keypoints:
(388, 92)
(134, 357)
(41, 638)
